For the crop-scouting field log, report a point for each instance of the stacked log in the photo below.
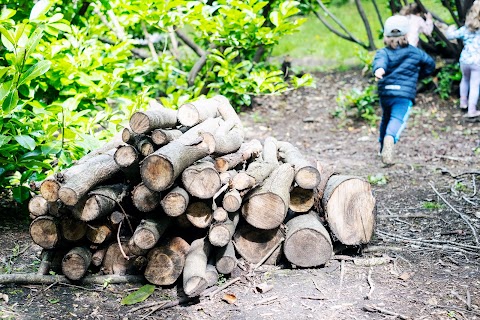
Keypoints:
(181, 193)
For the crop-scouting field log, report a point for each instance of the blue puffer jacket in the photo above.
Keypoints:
(403, 67)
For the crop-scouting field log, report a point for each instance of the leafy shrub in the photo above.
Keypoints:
(72, 75)
(447, 77)
(358, 104)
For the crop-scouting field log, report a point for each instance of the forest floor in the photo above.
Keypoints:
(423, 262)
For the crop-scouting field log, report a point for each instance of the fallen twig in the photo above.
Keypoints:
(266, 300)
(32, 278)
(313, 298)
(268, 254)
(228, 283)
(372, 308)
(370, 283)
(405, 216)
(459, 213)
(370, 249)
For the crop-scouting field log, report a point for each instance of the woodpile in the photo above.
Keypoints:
(180, 193)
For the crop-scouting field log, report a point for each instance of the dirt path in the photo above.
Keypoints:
(417, 268)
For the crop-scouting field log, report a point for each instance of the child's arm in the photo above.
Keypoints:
(427, 65)
(380, 63)
(453, 33)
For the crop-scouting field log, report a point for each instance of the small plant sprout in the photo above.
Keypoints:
(432, 205)
(379, 179)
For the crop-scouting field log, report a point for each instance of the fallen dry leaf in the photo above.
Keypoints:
(230, 298)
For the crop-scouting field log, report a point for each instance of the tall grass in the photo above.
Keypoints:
(315, 48)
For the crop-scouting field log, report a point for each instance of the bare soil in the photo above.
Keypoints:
(423, 262)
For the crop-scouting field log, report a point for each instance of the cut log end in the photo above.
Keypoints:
(272, 207)
(45, 232)
(188, 115)
(221, 165)
(68, 196)
(318, 247)
(157, 172)
(49, 190)
(139, 122)
(219, 236)
(125, 156)
(90, 210)
(308, 177)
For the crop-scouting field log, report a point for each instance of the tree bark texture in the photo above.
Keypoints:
(76, 262)
(156, 117)
(194, 271)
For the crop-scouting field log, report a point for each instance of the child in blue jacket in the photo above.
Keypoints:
(397, 67)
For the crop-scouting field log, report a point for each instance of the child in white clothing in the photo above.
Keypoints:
(417, 24)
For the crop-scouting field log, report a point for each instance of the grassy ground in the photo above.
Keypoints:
(318, 49)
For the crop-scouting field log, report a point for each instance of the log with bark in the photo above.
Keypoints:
(266, 206)
(191, 114)
(163, 136)
(101, 202)
(72, 229)
(247, 150)
(201, 180)
(149, 231)
(76, 262)
(99, 233)
(45, 232)
(232, 200)
(144, 199)
(38, 206)
(114, 261)
(200, 214)
(194, 271)
(175, 202)
(307, 242)
(350, 210)
(226, 260)
(156, 117)
(166, 262)
(221, 233)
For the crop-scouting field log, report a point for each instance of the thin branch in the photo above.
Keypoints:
(372, 308)
(32, 278)
(370, 283)
(465, 218)
(363, 15)
(196, 68)
(149, 42)
(120, 243)
(379, 16)
(189, 42)
(268, 254)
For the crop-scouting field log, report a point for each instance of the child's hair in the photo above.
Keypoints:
(411, 8)
(472, 21)
(395, 42)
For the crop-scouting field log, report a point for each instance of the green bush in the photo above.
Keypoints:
(448, 76)
(71, 78)
(358, 104)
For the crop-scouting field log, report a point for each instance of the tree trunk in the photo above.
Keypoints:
(149, 231)
(199, 214)
(301, 200)
(253, 244)
(232, 200)
(72, 229)
(306, 174)
(165, 263)
(349, 208)
(201, 180)
(101, 202)
(226, 259)
(45, 232)
(157, 117)
(221, 233)
(247, 150)
(307, 242)
(175, 202)
(99, 233)
(266, 207)
(145, 199)
(193, 113)
(76, 262)
(194, 271)
(163, 136)
(38, 206)
(81, 178)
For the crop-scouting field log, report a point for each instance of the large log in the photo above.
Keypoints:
(144, 199)
(155, 117)
(101, 202)
(306, 174)
(194, 271)
(247, 150)
(266, 207)
(81, 178)
(166, 262)
(175, 202)
(349, 207)
(307, 242)
(114, 262)
(226, 260)
(301, 200)
(221, 233)
(253, 244)
(38, 206)
(72, 229)
(149, 231)
(45, 232)
(201, 180)
(160, 169)
(200, 214)
(76, 262)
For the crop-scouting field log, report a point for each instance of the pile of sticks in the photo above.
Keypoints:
(179, 192)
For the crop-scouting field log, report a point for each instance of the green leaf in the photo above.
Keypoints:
(34, 71)
(4, 139)
(274, 18)
(25, 141)
(6, 33)
(139, 295)
(61, 26)
(33, 41)
(10, 101)
(40, 8)
(3, 70)
(21, 194)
